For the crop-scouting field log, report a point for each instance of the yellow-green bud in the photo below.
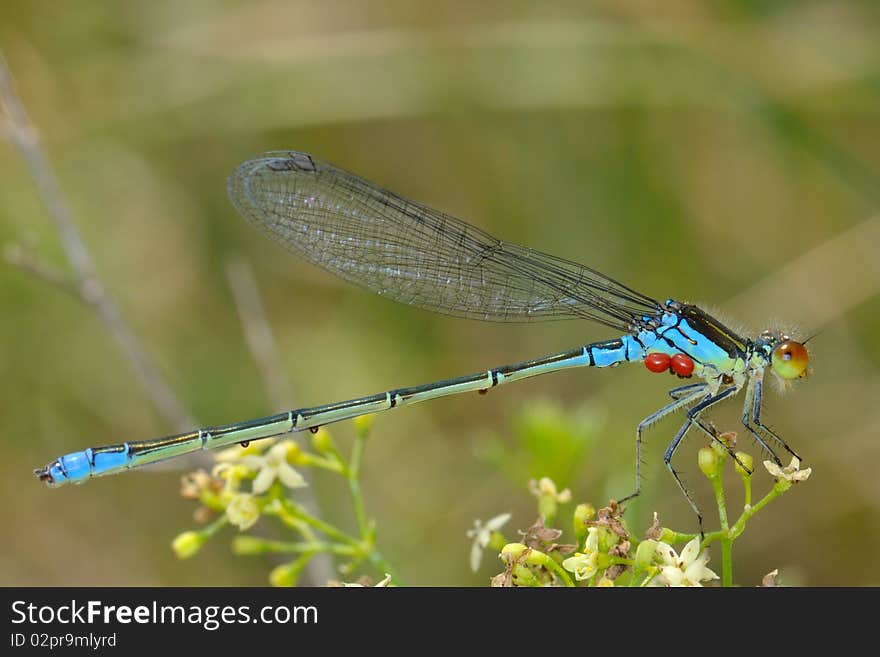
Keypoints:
(363, 424)
(720, 446)
(645, 554)
(536, 558)
(746, 460)
(293, 452)
(322, 441)
(518, 550)
(605, 583)
(496, 541)
(286, 574)
(710, 462)
(513, 549)
(187, 544)
(582, 514)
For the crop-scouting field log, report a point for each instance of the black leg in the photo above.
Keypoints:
(710, 431)
(751, 407)
(692, 415)
(678, 393)
(756, 418)
(683, 396)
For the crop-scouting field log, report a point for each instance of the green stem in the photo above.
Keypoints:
(362, 547)
(726, 539)
(209, 530)
(727, 562)
(558, 570)
(747, 488)
(309, 546)
(674, 537)
(378, 561)
(712, 536)
(297, 512)
(332, 465)
(352, 472)
(748, 512)
(367, 530)
(641, 578)
(621, 561)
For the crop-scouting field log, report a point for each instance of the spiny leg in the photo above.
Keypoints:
(676, 441)
(752, 402)
(756, 418)
(677, 393)
(713, 434)
(683, 396)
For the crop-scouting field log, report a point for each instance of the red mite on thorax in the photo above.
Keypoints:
(678, 364)
(657, 362)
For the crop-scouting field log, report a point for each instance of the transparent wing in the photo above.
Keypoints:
(410, 253)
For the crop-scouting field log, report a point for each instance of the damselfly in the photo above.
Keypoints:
(415, 255)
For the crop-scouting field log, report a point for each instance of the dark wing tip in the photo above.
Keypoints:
(294, 161)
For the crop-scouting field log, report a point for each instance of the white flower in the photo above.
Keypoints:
(243, 511)
(584, 564)
(273, 465)
(686, 569)
(791, 472)
(481, 534)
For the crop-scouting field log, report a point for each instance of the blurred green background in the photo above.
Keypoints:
(721, 152)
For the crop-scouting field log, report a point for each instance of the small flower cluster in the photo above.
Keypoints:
(606, 554)
(258, 480)
(268, 467)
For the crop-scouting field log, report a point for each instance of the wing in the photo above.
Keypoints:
(416, 255)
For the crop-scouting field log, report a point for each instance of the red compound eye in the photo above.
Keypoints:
(682, 365)
(657, 362)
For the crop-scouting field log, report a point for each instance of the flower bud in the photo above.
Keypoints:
(582, 514)
(187, 544)
(286, 574)
(746, 460)
(293, 452)
(527, 554)
(322, 441)
(710, 462)
(513, 549)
